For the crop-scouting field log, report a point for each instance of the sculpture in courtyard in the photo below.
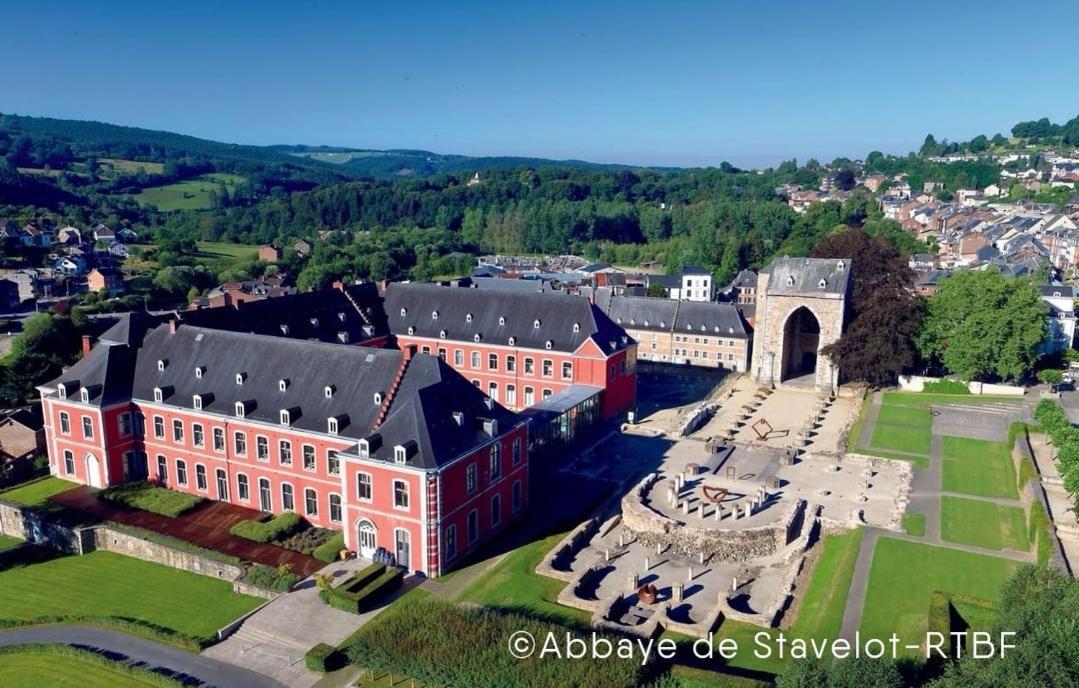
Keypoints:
(714, 494)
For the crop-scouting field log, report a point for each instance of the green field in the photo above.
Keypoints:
(225, 251)
(926, 399)
(903, 428)
(905, 574)
(130, 166)
(36, 667)
(983, 524)
(914, 524)
(112, 585)
(190, 194)
(978, 467)
(37, 492)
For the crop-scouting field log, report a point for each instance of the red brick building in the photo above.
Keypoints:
(397, 450)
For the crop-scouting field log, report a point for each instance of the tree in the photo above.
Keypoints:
(981, 323)
(47, 343)
(884, 316)
(979, 144)
(844, 179)
(1051, 377)
(930, 147)
(857, 672)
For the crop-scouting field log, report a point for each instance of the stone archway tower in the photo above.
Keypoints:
(820, 286)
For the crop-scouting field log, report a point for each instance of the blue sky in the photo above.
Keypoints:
(677, 83)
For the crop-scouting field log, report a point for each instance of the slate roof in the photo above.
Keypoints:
(695, 270)
(805, 275)
(421, 412)
(668, 315)
(745, 278)
(1052, 290)
(459, 314)
(527, 286)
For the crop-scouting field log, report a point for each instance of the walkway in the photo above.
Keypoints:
(207, 525)
(165, 659)
(925, 499)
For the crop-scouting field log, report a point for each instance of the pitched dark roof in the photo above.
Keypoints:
(668, 315)
(805, 275)
(130, 328)
(641, 312)
(1063, 290)
(527, 286)
(695, 270)
(531, 320)
(745, 278)
(712, 318)
(106, 373)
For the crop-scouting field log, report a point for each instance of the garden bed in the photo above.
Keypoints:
(271, 530)
(149, 497)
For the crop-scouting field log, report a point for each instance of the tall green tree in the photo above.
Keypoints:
(981, 323)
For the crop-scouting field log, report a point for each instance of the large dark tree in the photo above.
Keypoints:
(884, 315)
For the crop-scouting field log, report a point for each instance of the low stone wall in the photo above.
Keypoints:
(905, 477)
(33, 526)
(1035, 491)
(697, 417)
(242, 588)
(569, 545)
(735, 545)
(916, 383)
(109, 539)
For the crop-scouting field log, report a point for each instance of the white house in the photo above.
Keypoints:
(1061, 318)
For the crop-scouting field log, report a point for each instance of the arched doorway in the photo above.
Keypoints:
(93, 472)
(367, 538)
(801, 339)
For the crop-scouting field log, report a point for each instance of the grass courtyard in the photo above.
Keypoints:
(36, 666)
(111, 585)
(978, 467)
(904, 575)
(903, 428)
(36, 493)
(983, 524)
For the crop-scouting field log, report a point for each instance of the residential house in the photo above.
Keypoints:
(302, 247)
(102, 232)
(270, 253)
(107, 280)
(1060, 321)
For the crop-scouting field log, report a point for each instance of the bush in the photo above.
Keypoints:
(276, 528)
(307, 540)
(360, 592)
(946, 387)
(321, 658)
(442, 644)
(328, 551)
(149, 497)
(281, 579)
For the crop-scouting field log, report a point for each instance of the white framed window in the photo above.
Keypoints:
(309, 458)
(197, 436)
(335, 508)
(69, 462)
(284, 455)
(159, 427)
(125, 424)
(475, 360)
(310, 503)
(87, 428)
(492, 361)
(400, 454)
(400, 494)
(177, 431)
(363, 487)
(530, 396)
(285, 417)
(331, 426)
(471, 481)
(458, 357)
(181, 472)
(240, 409)
(243, 488)
(511, 395)
(288, 497)
(219, 439)
(567, 370)
(196, 402)
(200, 478)
(548, 368)
(333, 464)
(239, 442)
(65, 423)
(530, 365)
(511, 363)
(494, 460)
(262, 448)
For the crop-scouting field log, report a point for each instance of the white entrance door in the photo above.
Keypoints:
(368, 541)
(93, 472)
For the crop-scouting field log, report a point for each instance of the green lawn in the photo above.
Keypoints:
(224, 250)
(513, 582)
(979, 467)
(983, 524)
(903, 576)
(914, 524)
(32, 669)
(902, 428)
(149, 497)
(108, 584)
(37, 492)
(928, 398)
(190, 194)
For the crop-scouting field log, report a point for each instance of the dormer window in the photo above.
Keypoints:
(577, 326)
(378, 398)
(61, 391)
(840, 265)
(501, 320)
(162, 364)
(442, 334)
(282, 384)
(285, 417)
(314, 322)
(536, 324)
(548, 344)
(646, 323)
(327, 391)
(331, 426)
(363, 448)
(476, 337)
(400, 455)
(240, 409)
(404, 312)
(240, 377)
(199, 370)
(411, 329)
(341, 316)
(196, 402)
(689, 327)
(158, 394)
(512, 341)
(1056, 293)
(468, 317)
(284, 330)
(790, 280)
(823, 283)
(84, 395)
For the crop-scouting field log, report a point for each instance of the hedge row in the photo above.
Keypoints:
(442, 644)
(360, 592)
(137, 674)
(278, 527)
(329, 550)
(137, 627)
(946, 387)
(322, 658)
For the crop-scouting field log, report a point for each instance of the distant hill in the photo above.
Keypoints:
(403, 163)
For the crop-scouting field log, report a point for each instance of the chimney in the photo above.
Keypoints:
(339, 285)
(87, 343)
(409, 351)
(173, 324)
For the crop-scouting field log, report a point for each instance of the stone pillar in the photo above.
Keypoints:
(676, 592)
(633, 582)
(685, 507)
(647, 564)
(719, 512)
(689, 574)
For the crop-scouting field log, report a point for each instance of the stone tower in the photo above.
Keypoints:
(801, 305)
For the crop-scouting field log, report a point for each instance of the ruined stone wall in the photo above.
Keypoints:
(112, 540)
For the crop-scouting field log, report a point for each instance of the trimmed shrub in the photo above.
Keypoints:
(328, 551)
(307, 540)
(363, 590)
(946, 387)
(149, 497)
(276, 528)
(281, 579)
(321, 658)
